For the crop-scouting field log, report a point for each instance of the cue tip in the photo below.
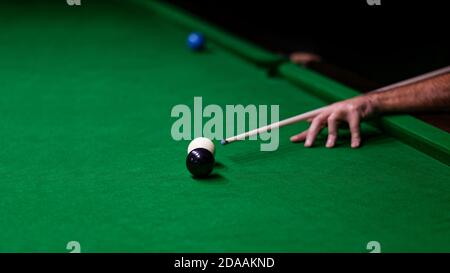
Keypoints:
(223, 142)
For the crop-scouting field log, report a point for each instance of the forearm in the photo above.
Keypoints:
(428, 95)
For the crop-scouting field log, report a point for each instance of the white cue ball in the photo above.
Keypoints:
(201, 142)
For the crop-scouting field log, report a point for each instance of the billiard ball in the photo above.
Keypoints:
(195, 41)
(201, 142)
(200, 162)
(200, 159)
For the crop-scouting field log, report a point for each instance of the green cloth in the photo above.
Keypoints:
(87, 155)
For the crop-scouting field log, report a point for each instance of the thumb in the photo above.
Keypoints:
(299, 137)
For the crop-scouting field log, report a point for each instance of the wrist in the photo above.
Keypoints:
(369, 105)
(375, 104)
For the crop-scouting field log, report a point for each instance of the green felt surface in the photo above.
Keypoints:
(185, 20)
(87, 155)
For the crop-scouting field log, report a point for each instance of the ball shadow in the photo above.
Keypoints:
(214, 178)
(205, 50)
(219, 165)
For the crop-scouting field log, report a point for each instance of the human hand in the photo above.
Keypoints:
(351, 111)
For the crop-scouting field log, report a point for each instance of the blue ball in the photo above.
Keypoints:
(196, 41)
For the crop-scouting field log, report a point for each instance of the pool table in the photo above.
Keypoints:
(87, 161)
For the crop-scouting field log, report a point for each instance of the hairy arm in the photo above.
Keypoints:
(428, 95)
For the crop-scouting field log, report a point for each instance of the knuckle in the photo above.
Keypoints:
(331, 119)
(350, 108)
(316, 121)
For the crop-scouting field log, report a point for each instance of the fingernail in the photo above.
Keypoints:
(293, 138)
(307, 143)
(328, 143)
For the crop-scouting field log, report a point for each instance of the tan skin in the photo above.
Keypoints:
(427, 95)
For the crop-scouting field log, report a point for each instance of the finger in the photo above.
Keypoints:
(299, 137)
(332, 131)
(313, 131)
(353, 123)
(304, 58)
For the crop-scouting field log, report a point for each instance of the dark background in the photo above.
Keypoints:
(383, 44)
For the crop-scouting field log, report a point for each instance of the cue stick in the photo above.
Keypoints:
(279, 124)
(311, 114)
(415, 79)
